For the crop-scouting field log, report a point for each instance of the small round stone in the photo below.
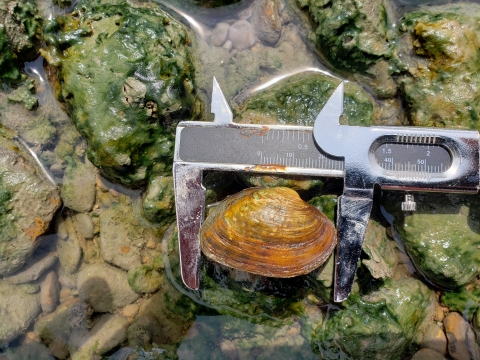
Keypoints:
(242, 35)
(219, 34)
(144, 279)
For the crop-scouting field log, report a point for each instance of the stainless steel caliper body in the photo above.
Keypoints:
(398, 158)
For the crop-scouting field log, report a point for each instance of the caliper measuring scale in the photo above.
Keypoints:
(398, 158)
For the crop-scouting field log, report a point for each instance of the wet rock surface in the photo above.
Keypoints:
(150, 91)
(27, 203)
(378, 323)
(356, 37)
(441, 237)
(444, 41)
(18, 307)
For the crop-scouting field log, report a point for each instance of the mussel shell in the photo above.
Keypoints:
(268, 231)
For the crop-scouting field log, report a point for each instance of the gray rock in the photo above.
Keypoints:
(84, 225)
(32, 351)
(34, 268)
(104, 287)
(242, 35)
(27, 205)
(69, 249)
(18, 309)
(120, 239)
(267, 21)
(219, 34)
(78, 190)
(108, 332)
(49, 292)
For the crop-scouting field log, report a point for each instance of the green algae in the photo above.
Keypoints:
(8, 66)
(144, 279)
(298, 101)
(465, 300)
(356, 38)
(23, 27)
(158, 201)
(379, 325)
(25, 94)
(440, 87)
(326, 204)
(6, 216)
(442, 236)
(126, 76)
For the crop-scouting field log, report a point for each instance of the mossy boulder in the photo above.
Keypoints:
(126, 76)
(298, 100)
(442, 45)
(355, 38)
(442, 236)
(23, 27)
(380, 325)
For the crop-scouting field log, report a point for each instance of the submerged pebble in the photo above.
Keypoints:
(105, 288)
(242, 35)
(49, 292)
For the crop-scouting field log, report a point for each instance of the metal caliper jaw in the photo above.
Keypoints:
(353, 214)
(190, 207)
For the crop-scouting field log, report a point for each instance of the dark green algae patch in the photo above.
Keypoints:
(298, 100)
(126, 76)
(20, 34)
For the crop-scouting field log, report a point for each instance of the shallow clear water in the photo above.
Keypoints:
(234, 316)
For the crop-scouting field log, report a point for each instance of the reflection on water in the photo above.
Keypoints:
(89, 283)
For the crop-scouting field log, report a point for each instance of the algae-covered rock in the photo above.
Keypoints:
(23, 27)
(144, 279)
(326, 204)
(442, 236)
(299, 99)
(380, 250)
(158, 201)
(465, 300)
(444, 70)
(9, 71)
(356, 37)
(20, 32)
(380, 325)
(126, 76)
(25, 94)
(27, 204)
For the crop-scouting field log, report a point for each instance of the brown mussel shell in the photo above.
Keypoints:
(268, 231)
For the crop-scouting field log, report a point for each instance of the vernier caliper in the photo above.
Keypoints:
(397, 158)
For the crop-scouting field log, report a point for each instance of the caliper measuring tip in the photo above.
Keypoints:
(219, 107)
